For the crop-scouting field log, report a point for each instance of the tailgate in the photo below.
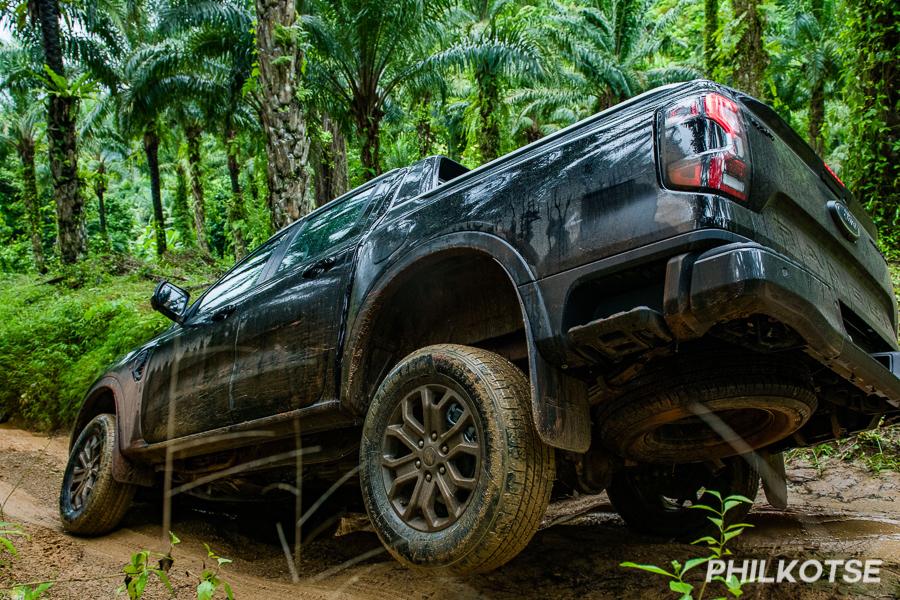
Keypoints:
(804, 214)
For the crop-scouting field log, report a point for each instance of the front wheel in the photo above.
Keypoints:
(657, 499)
(453, 473)
(91, 502)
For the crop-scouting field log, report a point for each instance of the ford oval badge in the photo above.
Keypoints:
(845, 220)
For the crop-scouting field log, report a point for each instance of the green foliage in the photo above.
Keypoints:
(27, 592)
(210, 582)
(465, 78)
(8, 531)
(877, 450)
(871, 41)
(57, 338)
(717, 545)
(145, 565)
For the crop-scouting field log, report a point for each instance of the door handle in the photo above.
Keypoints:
(224, 312)
(320, 266)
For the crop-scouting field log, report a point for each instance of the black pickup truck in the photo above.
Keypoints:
(657, 300)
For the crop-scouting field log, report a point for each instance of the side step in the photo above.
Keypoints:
(623, 334)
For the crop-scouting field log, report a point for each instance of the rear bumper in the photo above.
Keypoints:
(739, 280)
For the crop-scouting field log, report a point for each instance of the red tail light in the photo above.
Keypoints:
(835, 176)
(704, 146)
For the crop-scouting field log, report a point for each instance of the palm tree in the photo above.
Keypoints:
(811, 61)
(62, 108)
(132, 64)
(615, 47)
(494, 44)
(750, 59)
(280, 59)
(364, 50)
(191, 119)
(329, 154)
(20, 131)
(710, 33)
(143, 71)
(220, 54)
(105, 148)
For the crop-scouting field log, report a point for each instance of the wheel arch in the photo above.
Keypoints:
(100, 399)
(559, 402)
(105, 396)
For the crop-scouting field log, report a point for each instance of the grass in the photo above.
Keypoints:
(877, 449)
(59, 332)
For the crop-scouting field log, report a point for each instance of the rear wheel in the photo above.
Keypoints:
(91, 502)
(453, 474)
(657, 499)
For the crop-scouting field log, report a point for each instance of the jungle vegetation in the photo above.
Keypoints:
(142, 138)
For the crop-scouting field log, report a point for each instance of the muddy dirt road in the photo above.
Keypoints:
(841, 513)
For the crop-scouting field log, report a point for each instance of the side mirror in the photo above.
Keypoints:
(170, 300)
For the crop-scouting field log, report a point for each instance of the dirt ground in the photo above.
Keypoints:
(843, 512)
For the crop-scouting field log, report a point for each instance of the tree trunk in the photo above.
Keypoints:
(750, 58)
(370, 154)
(533, 133)
(817, 116)
(331, 164)
(193, 143)
(31, 200)
(151, 149)
(100, 192)
(61, 114)
(236, 212)
(424, 133)
(711, 25)
(287, 146)
(488, 107)
(181, 214)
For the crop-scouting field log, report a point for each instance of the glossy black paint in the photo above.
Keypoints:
(579, 226)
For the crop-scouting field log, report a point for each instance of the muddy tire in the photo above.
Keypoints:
(674, 412)
(656, 499)
(91, 502)
(453, 474)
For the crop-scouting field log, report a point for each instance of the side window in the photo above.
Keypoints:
(240, 279)
(326, 229)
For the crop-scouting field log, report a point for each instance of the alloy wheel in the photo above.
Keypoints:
(431, 455)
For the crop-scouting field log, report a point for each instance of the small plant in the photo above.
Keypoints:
(210, 581)
(140, 568)
(7, 532)
(26, 592)
(717, 546)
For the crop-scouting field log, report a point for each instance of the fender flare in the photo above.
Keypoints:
(559, 402)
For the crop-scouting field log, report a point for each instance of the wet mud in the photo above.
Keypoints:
(841, 512)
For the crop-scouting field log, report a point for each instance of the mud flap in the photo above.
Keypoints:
(126, 471)
(559, 407)
(774, 479)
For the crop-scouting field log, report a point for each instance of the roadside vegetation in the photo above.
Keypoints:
(144, 139)
(877, 450)
(59, 331)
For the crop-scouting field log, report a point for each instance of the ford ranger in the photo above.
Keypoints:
(656, 301)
